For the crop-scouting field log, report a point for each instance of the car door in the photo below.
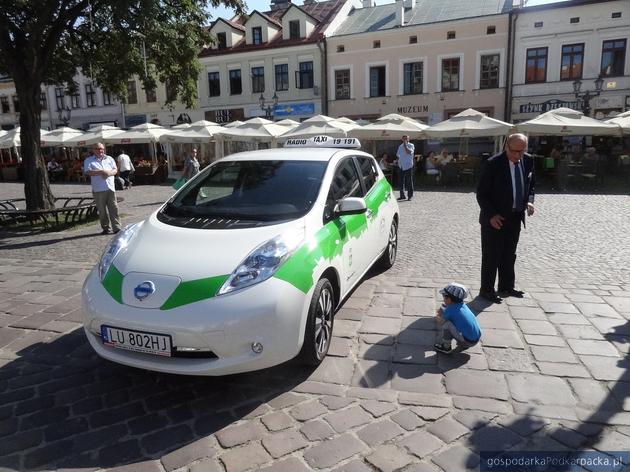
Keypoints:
(378, 214)
(346, 182)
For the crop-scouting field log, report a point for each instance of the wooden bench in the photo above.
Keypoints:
(67, 211)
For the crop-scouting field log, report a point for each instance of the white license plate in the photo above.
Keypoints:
(139, 341)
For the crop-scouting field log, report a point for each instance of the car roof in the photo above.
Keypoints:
(293, 154)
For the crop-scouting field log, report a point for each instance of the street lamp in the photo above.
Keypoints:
(268, 108)
(64, 114)
(585, 97)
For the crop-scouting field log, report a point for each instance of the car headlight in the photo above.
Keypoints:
(263, 261)
(117, 244)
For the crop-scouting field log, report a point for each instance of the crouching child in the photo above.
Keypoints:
(456, 321)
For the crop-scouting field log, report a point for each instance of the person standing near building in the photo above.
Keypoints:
(102, 168)
(125, 166)
(504, 193)
(405, 154)
(191, 166)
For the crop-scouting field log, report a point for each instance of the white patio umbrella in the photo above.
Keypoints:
(141, 134)
(96, 134)
(60, 136)
(12, 138)
(201, 123)
(320, 125)
(203, 134)
(568, 122)
(390, 127)
(622, 120)
(258, 129)
(287, 122)
(233, 124)
(468, 124)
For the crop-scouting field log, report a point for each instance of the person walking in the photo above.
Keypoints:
(405, 154)
(505, 192)
(191, 166)
(101, 169)
(125, 166)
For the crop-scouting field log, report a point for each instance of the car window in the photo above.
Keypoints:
(252, 190)
(345, 183)
(368, 171)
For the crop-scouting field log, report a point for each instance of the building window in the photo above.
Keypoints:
(341, 48)
(43, 101)
(90, 95)
(151, 95)
(377, 81)
(221, 41)
(282, 77)
(294, 29)
(342, 84)
(450, 74)
(236, 86)
(450, 35)
(536, 65)
(257, 35)
(258, 79)
(304, 77)
(613, 57)
(4, 103)
(572, 59)
(60, 98)
(376, 44)
(75, 99)
(171, 91)
(214, 84)
(16, 104)
(538, 24)
(412, 73)
(616, 14)
(489, 77)
(132, 94)
(575, 19)
(107, 98)
(491, 30)
(413, 39)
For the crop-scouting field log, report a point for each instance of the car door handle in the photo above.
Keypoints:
(369, 213)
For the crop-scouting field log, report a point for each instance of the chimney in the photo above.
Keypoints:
(410, 4)
(279, 4)
(368, 3)
(400, 12)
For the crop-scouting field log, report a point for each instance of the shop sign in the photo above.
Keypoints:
(294, 109)
(413, 109)
(135, 120)
(548, 106)
(225, 116)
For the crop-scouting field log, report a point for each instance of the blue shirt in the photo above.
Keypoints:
(100, 183)
(405, 161)
(464, 320)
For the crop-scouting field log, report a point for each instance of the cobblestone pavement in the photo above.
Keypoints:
(550, 374)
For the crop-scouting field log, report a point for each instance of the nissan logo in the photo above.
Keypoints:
(144, 290)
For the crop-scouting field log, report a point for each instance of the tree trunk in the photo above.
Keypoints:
(36, 186)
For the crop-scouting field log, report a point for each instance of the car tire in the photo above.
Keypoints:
(319, 325)
(388, 258)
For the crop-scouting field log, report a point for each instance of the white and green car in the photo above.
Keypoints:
(244, 267)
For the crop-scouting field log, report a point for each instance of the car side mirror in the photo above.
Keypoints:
(350, 206)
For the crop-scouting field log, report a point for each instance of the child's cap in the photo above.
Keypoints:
(455, 290)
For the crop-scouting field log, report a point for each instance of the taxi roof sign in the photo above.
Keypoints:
(323, 142)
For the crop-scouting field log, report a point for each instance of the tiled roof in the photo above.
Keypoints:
(383, 17)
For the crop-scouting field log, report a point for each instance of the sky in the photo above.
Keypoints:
(263, 5)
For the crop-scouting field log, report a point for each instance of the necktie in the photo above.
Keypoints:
(518, 187)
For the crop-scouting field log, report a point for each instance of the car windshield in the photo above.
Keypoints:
(264, 191)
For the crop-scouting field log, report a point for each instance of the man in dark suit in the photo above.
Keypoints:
(504, 193)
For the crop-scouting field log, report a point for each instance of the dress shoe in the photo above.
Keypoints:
(511, 293)
(106, 231)
(492, 297)
(402, 198)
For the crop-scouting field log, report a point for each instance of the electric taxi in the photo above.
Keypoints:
(244, 267)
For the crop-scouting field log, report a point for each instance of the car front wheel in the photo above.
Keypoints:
(389, 256)
(319, 325)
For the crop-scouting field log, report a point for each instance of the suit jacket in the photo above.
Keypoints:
(494, 190)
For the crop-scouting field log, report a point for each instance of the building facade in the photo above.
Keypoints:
(423, 59)
(269, 64)
(557, 45)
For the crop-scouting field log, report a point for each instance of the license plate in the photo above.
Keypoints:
(138, 341)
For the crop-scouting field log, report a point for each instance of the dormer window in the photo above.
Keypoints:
(221, 41)
(257, 35)
(294, 29)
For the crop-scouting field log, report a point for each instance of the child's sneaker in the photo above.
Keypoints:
(445, 348)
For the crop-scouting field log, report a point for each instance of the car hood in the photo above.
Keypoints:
(191, 254)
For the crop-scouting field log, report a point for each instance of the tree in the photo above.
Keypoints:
(48, 41)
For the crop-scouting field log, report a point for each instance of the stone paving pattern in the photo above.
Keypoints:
(551, 372)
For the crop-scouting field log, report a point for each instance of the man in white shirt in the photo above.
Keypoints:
(125, 166)
(405, 164)
(102, 168)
